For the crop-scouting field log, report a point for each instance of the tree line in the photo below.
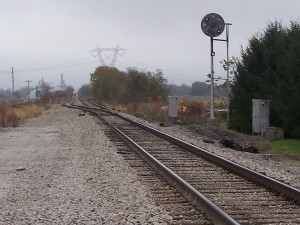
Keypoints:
(111, 84)
(269, 68)
(108, 83)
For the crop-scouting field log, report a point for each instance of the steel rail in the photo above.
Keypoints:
(217, 215)
(199, 200)
(277, 186)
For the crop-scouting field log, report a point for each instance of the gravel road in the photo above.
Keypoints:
(55, 169)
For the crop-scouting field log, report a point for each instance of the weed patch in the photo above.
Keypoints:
(10, 114)
(192, 112)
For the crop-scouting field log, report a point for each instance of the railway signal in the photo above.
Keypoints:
(213, 25)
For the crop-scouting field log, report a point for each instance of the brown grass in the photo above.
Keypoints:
(10, 114)
(152, 110)
(29, 111)
(3, 117)
(157, 110)
(116, 106)
(192, 111)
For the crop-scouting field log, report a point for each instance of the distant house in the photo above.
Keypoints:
(35, 94)
(60, 90)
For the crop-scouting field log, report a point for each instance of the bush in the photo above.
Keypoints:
(192, 112)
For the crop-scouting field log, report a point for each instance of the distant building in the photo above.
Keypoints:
(60, 90)
(35, 94)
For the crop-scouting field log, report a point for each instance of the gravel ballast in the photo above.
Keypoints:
(280, 167)
(59, 168)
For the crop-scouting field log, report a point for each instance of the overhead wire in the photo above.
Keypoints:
(86, 61)
(6, 74)
(59, 66)
(178, 75)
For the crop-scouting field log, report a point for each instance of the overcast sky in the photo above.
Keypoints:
(47, 38)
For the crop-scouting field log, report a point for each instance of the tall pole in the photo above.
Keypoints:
(212, 25)
(13, 83)
(227, 80)
(28, 89)
(212, 81)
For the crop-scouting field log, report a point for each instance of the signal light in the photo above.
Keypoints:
(212, 53)
(212, 25)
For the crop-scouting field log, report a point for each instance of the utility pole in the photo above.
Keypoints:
(13, 83)
(36, 88)
(212, 80)
(228, 80)
(28, 89)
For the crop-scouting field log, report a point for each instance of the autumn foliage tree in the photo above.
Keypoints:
(142, 85)
(108, 83)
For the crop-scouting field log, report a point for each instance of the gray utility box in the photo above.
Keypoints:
(260, 114)
(173, 104)
(272, 133)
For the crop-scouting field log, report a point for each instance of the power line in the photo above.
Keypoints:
(178, 75)
(54, 67)
(4, 72)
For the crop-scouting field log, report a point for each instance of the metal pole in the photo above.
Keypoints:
(13, 83)
(28, 89)
(212, 81)
(227, 80)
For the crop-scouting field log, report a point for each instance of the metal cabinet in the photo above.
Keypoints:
(260, 114)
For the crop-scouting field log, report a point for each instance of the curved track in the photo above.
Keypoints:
(226, 192)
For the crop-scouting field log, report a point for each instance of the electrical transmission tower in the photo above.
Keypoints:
(100, 54)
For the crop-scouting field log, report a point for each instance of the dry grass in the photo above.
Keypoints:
(220, 102)
(29, 110)
(153, 110)
(10, 114)
(116, 106)
(157, 110)
(3, 115)
(192, 111)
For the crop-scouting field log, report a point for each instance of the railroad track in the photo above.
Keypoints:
(226, 192)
